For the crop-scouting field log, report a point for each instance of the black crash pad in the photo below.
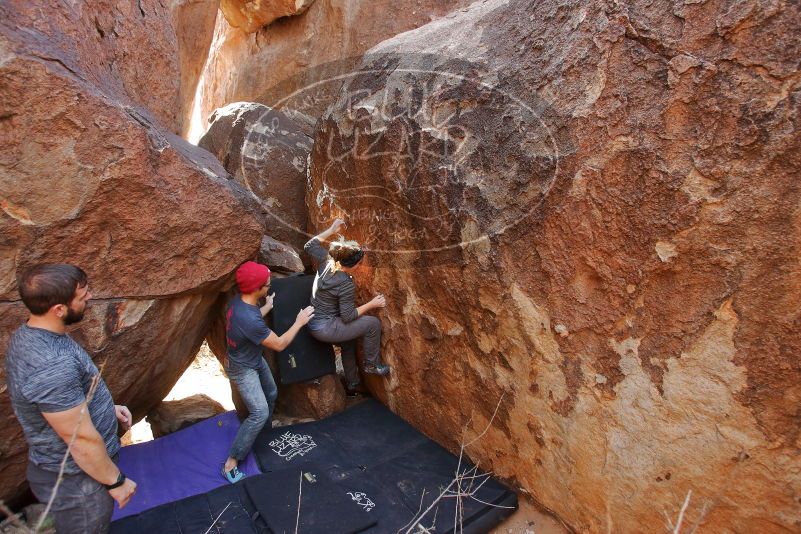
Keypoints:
(426, 473)
(373, 473)
(305, 358)
(368, 449)
(228, 505)
(292, 446)
(307, 500)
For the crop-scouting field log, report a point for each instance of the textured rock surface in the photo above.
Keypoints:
(249, 16)
(215, 337)
(244, 66)
(279, 257)
(90, 176)
(170, 416)
(142, 49)
(613, 257)
(267, 153)
(316, 399)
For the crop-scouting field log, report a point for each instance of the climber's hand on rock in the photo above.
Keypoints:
(336, 225)
(378, 301)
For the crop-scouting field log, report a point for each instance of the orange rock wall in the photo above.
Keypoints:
(91, 174)
(596, 225)
(245, 66)
(251, 16)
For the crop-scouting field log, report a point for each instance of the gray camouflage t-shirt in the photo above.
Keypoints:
(49, 372)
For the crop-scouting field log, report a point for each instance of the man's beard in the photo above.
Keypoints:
(73, 316)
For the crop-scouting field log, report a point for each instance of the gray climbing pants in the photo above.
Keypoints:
(346, 335)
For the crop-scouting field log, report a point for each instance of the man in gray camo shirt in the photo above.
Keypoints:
(49, 378)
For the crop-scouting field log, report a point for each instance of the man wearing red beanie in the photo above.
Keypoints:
(246, 334)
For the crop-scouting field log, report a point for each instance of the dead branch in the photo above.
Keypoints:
(300, 492)
(14, 518)
(218, 517)
(460, 477)
(677, 530)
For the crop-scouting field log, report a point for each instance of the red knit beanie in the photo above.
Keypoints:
(251, 276)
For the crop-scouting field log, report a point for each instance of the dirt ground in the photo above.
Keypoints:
(205, 375)
(528, 519)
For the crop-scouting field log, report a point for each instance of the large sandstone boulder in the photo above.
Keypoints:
(171, 416)
(589, 219)
(295, 52)
(267, 153)
(316, 399)
(250, 16)
(149, 51)
(279, 257)
(89, 175)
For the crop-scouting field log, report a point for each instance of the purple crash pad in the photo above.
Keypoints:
(181, 464)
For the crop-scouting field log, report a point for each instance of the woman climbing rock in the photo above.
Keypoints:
(337, 319)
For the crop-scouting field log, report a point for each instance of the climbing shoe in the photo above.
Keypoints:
(380, 369)
(233, 476)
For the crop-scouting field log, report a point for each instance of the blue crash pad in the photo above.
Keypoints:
(181, 464)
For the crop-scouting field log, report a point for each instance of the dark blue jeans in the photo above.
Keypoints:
(81, 506)
(258, 390)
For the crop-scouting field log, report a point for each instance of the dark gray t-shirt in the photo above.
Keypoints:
(335, 294)
(244, 331)
(49, 372)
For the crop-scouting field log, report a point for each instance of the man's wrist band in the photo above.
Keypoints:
(120, 481)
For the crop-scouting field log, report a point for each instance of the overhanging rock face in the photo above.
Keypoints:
(90, 174)
(267, 153)
(590, 215)
(250, 16)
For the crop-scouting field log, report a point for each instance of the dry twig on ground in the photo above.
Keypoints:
(456, 488)
(14, 519)
(300, 492)
(218, 517)
(676, 529)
